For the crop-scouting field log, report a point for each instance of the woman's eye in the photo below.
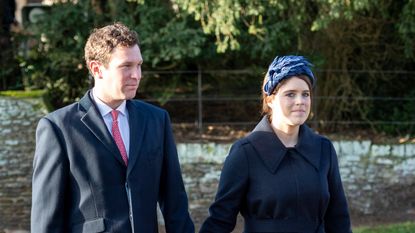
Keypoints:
(290, 94)
(306, 94)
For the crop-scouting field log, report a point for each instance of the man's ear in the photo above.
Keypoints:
(95, 69)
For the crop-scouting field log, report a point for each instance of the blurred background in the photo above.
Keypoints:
(204, 61)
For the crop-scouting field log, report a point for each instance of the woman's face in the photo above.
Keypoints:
(291, 104)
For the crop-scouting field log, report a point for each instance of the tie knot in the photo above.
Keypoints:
(114, 114)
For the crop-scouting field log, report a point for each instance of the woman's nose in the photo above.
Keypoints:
(300, 100)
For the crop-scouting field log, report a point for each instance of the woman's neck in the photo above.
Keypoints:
(288, 135)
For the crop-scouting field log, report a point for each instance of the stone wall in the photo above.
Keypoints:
(18, 119)
(379, 179)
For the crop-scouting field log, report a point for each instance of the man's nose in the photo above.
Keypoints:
(136, 74)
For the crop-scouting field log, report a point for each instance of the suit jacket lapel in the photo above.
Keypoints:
(137, 121)
(94, 122)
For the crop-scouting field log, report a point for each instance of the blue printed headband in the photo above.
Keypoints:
(287, 66)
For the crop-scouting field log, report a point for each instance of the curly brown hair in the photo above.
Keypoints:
(102, 41)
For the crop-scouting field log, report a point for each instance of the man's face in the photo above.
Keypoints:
(119, 80)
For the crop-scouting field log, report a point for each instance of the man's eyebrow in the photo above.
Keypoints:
(131, 62)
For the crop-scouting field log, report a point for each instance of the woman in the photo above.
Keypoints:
(282, 177)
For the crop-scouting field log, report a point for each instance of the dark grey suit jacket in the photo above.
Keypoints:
(80, 183)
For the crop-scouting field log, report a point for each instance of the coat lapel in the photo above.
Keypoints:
(137, 121)
(309, 146)
(94, 122)
(271, 150)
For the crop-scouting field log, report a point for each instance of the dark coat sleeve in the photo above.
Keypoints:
(172, 198)
(50, 177)
(336, 218)
(231, 192)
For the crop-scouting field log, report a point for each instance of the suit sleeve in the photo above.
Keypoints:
(232, 188)
(172, 198)
(50, 169)
(337, 219)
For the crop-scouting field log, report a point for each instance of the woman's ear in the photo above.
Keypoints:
(269, 100)
(95, 69)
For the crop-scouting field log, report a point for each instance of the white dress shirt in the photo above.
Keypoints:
(123, 125)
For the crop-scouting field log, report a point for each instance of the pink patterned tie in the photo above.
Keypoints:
(117, 136)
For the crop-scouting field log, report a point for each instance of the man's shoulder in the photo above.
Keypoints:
(147, 107)
(64, 112)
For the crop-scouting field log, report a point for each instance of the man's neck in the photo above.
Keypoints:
(114, 104)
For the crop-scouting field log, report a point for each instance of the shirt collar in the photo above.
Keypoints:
(104, 109)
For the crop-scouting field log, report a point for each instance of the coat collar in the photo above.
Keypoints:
(271, 150)
(95, 123)
(138, 123)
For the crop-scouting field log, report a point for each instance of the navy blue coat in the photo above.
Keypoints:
(81, 184)
(279, 189)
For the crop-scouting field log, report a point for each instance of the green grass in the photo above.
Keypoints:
(407, 227)
(23, 94)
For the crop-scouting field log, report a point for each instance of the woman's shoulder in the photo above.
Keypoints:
(239, 145)
(311, 134)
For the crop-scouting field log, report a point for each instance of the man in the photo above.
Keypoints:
(103, 163)
(9, 66)
(7, 17)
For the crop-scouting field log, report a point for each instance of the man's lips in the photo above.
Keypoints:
(131, 85)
